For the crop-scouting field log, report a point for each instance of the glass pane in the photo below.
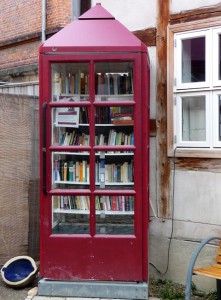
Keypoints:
(70, 80)
(114, 170)
(114, 126)
(194, 118)
(70, 126)
(114, 81)
(70, 214)
(193, 60)
(114, 214)
(70, 170)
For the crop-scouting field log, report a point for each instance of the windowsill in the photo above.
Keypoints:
(194, 152)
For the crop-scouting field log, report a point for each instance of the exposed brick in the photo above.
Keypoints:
(19, 55)
(24, 18)
(19, 18)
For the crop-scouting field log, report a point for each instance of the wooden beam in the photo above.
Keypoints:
(197, 164)
(147, 36)
(196, 14)
(153, 128)
(163, 164)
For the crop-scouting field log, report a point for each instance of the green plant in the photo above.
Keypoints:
(168, 290)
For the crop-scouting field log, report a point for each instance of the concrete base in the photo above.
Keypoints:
(93, 289)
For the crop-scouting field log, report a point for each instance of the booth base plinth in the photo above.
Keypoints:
(93, 289)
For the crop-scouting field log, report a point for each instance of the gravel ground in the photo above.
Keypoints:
(157, 288)
(8, 293)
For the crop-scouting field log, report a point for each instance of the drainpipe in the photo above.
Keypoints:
(43, 22)
(76, 9)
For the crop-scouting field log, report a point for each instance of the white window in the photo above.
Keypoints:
(194, 90)
(192, 126)
(192, 57)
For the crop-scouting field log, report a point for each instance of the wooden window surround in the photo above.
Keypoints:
(211, 89)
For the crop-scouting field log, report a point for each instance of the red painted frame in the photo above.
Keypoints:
(91, 256)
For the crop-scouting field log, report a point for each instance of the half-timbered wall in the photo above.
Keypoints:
(184, 191)
(186, 205)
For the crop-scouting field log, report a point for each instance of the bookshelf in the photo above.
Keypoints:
(93, 143)
(94, 181)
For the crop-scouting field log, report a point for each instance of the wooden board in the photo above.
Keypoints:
(213, 272)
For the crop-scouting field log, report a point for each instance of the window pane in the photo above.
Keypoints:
(70, 170)
(193, 60)
(70, 214)
(70, 82)
(114, 81)
(70, 126)
(115, 214)
(114, 170)
(194, 118)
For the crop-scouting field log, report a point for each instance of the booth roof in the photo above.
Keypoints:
(95, 30)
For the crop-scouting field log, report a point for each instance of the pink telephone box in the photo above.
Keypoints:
(94, 129)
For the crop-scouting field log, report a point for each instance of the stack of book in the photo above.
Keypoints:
(115, 172)
(115, 203)
(69, 171)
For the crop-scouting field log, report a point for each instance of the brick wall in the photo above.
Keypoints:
(24, 17)
(19, 18)
(21, 28)
(58, 13)
(22, 54)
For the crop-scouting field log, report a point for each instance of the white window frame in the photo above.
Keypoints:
(215, 118)
(215, 55)
(179, 125)
(178, 59)
(211, 28)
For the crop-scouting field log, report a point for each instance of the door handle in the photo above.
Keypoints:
(44, 124)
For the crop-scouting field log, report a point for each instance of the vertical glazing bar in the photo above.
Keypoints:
(92, 142)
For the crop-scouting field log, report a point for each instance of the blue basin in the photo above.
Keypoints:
(19, 271)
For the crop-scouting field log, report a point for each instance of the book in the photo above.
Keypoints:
(80, 171)
(67, 117)
(77, 172)
(72, 138)
(114, 203)
(56, 171)
(66, 202)
(84, 171)
(123, 121)
(108, 203)
(83, 118)
(71, 171)
(61, 202)
(65, 171)
(97, 203)
(57, 84)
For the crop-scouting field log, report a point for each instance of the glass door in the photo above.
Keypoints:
(93, 198)
(114, 144)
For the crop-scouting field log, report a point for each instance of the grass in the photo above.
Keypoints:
(166, 289)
